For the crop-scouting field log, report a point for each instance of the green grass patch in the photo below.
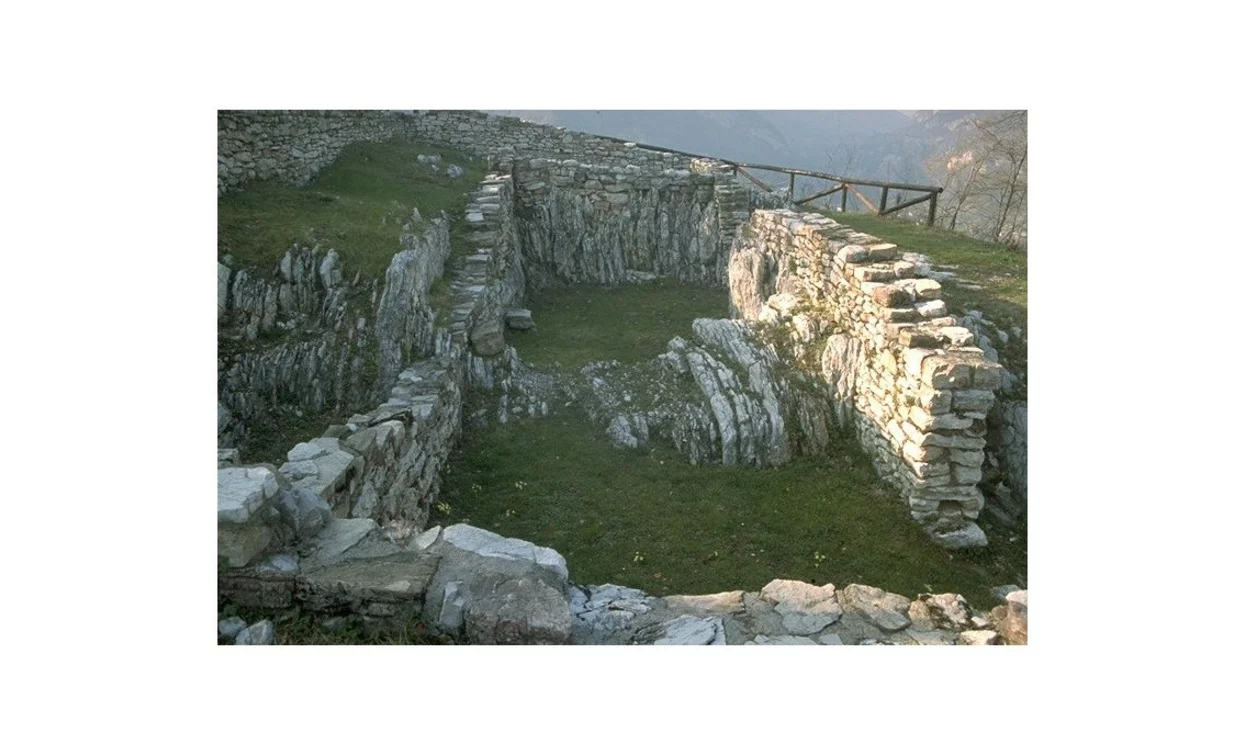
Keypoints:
(580, 324)
(356, 205)
(268, 442)
(649, 519)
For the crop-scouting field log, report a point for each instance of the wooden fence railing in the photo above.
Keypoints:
(845, 185)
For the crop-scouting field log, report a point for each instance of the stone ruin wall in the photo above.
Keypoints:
(291, 145)
(333, 528)
(612, 224)
(342, 342)
(903, 373)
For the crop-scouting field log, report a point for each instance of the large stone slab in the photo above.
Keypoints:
(339, 536)
(884, 610)
(497, 590)
(784, 639)
(491, 545)
(722, 602)
(804, 608)
(243, 491)
(685, 630)
(521, 611)
(390, 586)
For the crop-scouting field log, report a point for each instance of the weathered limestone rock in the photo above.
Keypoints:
(487, 339)
(491, 545)
(805, 609)
(497, 590)
(979, 637)
(247, 517)
(229, 628)
(523, 611)
(969, 535)
(882, 609)
(785, 639)
(259, 633)
(722, 602)
(519, 319)
(1012, 620)
(685, 630)
(718, 399)
(222, 289)
(339, 536)
(388, 587)
(602, 614)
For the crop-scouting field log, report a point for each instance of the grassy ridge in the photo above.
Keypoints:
(356, 205)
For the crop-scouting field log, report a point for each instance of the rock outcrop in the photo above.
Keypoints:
(309, 340)
(722, 398)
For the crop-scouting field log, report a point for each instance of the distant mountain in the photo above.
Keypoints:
(868, 144)
(791, 138)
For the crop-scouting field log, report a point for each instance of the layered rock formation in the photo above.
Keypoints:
(308, 339)
(723, 398)
(582, 223)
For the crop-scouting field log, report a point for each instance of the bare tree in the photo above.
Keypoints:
(984, 172)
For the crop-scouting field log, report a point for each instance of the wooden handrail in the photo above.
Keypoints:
(754, 179)
(819, 195)
(845, 184)
(903, 205)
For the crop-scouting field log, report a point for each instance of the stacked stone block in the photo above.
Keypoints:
(490, 278)
(918, 389)
(730, 199)
(609, 224)
(487, 134)
(291, 145)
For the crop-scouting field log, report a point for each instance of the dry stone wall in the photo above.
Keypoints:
(611, 224)
(903, 373)
(291, 145)
(487, 134)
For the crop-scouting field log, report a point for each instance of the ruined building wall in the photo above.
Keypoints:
(585, 223)
(903, 373)
(316, 336)
(291, 145)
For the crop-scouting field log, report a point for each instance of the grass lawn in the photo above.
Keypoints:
(581, 324)
(356, 205)
(648, 519)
